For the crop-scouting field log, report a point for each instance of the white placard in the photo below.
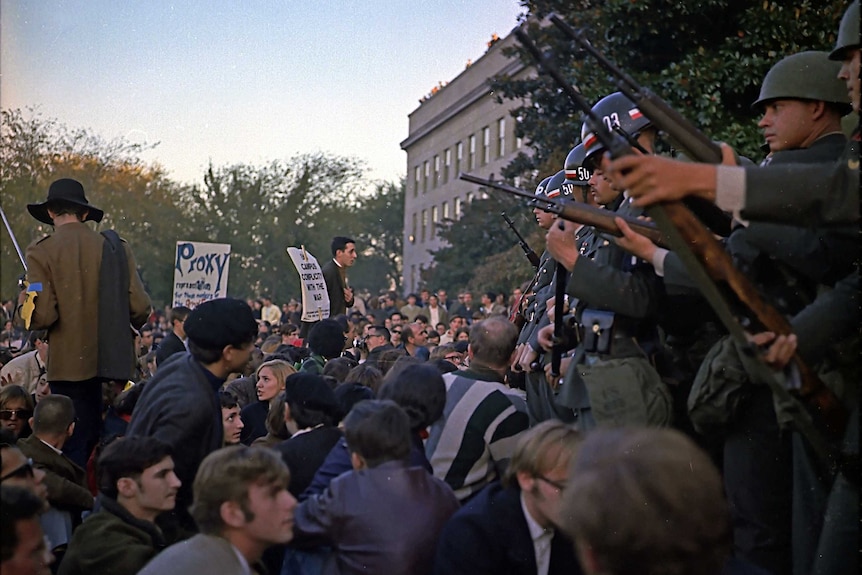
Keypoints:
(315, 297)
(200, 273)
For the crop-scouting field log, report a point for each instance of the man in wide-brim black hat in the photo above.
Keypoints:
(85, 290)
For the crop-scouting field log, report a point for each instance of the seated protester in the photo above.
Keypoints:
(667, 514)
(68, 495)
(413, 340)
(18, 470)
(339, 367)
(366, 375)
(325, 342)
(230, 418)
(22, 542)
(16, 407)
(377, 341)
(270, 379)
(241, 506)
(511, 528)
(419, 390)
(311, 415)
(136, 483)
(385, 516)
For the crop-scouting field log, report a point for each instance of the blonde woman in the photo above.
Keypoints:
(270, 382)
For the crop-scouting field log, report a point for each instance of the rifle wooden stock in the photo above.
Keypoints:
(602, 220)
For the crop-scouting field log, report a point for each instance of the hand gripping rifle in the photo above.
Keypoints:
(708, 262)
(602, 220)
(679, 130)
(528, 251)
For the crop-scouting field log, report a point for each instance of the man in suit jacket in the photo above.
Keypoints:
(382, 517)
(241, 506)
(511, 528)
(175, 342)
(335, 275)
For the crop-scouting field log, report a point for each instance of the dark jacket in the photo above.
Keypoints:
(253, 418)
(179, 405)
(111, 541)
(66, 481)
(304, 453)
(335, 286)
(489, 536)
(169, 346)
(380, 520)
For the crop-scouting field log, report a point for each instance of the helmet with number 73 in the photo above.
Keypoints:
(615, 110)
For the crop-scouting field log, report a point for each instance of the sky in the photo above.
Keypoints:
(242, 82)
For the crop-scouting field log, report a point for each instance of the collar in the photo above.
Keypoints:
(214, 381)
(246, 568)
(336, 263)
(537, 532)
(479, 372)
(54, 449)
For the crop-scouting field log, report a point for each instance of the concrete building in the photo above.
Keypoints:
(458, 128)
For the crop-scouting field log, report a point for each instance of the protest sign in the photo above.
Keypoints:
(315, 297)
(200, 273)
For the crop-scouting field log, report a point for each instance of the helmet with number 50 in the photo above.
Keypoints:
(615, 110)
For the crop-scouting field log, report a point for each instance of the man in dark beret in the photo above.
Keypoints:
(180, 404)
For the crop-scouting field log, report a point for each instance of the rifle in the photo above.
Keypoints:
(602, 220)
(528, 251)
(707, 262)
(678, 129)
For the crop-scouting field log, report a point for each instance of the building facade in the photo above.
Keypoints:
(459, 128)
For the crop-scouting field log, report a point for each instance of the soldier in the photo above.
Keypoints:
(618, 302)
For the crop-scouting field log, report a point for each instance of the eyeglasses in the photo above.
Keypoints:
(454, 357)
(7, 414)
(398, 331)
(560, 485)
(25, 470)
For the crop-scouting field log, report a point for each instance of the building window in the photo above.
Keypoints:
(519, 141)
(427, 173)
(458, 209)
(469, 197)
(417, 178)
(471, 160)
(435, 217)
(447, 163)
(445, 210)
(412, 237)
(424, 225)
(459, 157)
(412, 277)
(501, 137)
(486, 145)
(436, 171)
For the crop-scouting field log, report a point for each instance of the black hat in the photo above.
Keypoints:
(461, 346)
(69, 191)
(310, 391)
(221, 322)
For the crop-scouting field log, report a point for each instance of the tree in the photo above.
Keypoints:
(707, 58)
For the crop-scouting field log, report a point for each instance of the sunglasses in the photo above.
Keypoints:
(25, 470)
(453, 358)
(7, 414)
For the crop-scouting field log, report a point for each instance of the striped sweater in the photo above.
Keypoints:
(470, 446)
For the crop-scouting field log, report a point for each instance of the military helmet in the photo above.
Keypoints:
(613, 110)
(554, 188)
(848, 32)
(576, 173)
(804, 76)
(543, 185)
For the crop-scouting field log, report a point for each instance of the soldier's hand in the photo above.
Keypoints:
(516, 357)
(633, 242)
(555, 381)
(781, 348)
(528, 356)
(653, 179)
(546, 337)
(561, 244)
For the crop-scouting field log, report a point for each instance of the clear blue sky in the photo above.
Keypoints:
(248, 81)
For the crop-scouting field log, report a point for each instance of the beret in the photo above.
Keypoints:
(310, 391)
(461, 346)
(217, 323)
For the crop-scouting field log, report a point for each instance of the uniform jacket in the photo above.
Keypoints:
(25, 370)
(179, 405)
(489, 536)
(111, 542)
(67, 264)
(380, 520)
(200, 555)
(335, 286)
(66, 481)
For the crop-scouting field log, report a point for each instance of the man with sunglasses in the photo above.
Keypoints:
(17, 469)
(511, 528)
